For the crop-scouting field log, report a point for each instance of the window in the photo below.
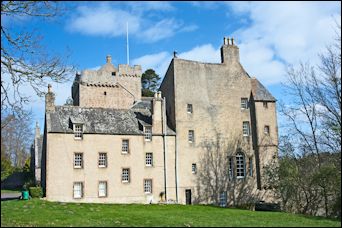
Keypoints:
(78, 160)
(149, 159)
(113, 73)
(102, 188)
(251, 167)
(265, 104)
(189, 108)
(191, 136)
(245, 128)
(125, 175)
(78, 190)
(148, 186)
(194, 168)
(105, 93)
(231, 168)
(240, 165)
(78, 131)
(102, 160)
(148, 133)
(267, 129)
(244, 103)
(125, 146)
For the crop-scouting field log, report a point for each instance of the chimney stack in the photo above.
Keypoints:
(229, 51)
(50, 100)
(109, 59)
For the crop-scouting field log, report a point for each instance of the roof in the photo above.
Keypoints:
(260, 93)
(101, 120)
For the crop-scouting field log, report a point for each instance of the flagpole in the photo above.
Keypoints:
(127, 43)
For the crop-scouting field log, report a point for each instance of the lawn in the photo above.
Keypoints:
(42, 213)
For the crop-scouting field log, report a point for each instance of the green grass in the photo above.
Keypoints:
(42, 213)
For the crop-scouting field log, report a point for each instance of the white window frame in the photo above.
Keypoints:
(148, 133)
(125, 177)
(244, 103)
(267, 129)
(78, 160)
(240, 165)
(149, 159)
(124, 147)
(189, 108)
(102, 188)
(148, 186)
(194, 168)
(78, 190)
(78, 131)
(245, 128)
(191, 136)
(102, 162)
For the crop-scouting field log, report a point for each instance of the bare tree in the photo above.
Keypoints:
(315, 120)
(23, 60)
(16, 137)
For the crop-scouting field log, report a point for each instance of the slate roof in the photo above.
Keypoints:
(102, 120)
(260, 93)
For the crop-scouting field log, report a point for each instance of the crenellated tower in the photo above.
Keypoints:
(108, 87)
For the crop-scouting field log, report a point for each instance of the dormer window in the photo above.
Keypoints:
(78, 131)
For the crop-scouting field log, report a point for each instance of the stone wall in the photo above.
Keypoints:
(61, 172)
(215, 92)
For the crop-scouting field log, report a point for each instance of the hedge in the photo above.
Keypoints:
(36, 192)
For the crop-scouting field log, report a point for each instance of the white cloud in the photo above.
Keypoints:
(158, 62)
(203, 53)
(161, 30)
(104, 20)
(282, 33)
(151, 5)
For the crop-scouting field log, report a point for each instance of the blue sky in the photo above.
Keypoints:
(270, 35)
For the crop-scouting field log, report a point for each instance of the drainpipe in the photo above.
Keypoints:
(164, 146)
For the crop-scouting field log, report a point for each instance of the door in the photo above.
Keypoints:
(188, 196)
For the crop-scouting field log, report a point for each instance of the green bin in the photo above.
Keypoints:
(25, 195)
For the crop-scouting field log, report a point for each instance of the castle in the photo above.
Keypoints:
(115, 146)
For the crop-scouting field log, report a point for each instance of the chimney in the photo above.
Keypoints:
(37, 130)
(109, 59)
(229, 51)
(157, 119)
(50, 100)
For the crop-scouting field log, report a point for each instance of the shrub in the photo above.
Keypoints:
(36, 192)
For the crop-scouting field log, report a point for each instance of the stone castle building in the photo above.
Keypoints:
(114, 146)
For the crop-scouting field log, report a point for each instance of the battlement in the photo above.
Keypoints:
(126, 70)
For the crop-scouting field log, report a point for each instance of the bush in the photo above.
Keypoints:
(36, 192)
